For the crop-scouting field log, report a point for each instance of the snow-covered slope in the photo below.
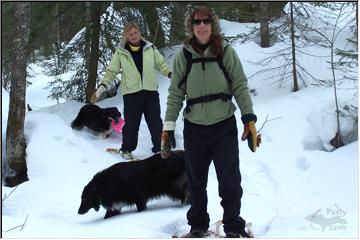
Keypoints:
(292, 186)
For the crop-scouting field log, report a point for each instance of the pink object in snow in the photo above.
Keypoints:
(118, 126)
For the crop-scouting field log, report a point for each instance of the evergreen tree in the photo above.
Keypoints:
(282, 64)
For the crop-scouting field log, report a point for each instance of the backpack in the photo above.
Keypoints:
(211, 97)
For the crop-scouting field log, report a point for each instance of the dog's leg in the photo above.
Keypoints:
(180, 190)
(141, 205)
(107, 133)
(111, 213)
(179, 195)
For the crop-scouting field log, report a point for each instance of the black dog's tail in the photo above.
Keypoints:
(77, 123)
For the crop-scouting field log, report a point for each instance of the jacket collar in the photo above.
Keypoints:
(207, 52)
(123, 43)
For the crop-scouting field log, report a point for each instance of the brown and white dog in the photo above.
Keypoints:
(96, 119)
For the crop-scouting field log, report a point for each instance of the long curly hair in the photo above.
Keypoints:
(216, 39)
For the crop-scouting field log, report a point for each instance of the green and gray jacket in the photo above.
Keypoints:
(203, 81)
(131, 80)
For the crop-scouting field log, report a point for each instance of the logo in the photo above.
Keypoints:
(331, 219)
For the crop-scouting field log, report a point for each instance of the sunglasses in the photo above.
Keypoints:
(206, 21)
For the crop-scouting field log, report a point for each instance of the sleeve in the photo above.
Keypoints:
(176, 95)
(239, 87)
(160, 63)
(112, 69)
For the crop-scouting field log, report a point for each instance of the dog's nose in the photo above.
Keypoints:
(82, 210)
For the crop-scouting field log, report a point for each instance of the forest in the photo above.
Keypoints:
(52, 25)
(77, 40)
(301, 64)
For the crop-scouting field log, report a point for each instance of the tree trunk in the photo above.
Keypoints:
(264, 25)
(296, 85)
(56, 38)
(152, 19)
(94, 53)
(357, 21)
(338, 134)
(87, 43)
(15, 139)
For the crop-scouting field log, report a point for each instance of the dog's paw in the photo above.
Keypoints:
(111, 213)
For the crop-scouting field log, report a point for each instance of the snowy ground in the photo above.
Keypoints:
(292, 186)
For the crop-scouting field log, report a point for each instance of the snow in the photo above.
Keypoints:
(293, 174)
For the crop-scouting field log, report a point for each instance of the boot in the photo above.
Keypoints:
(243, 234)
(196, 234)
(127, 155)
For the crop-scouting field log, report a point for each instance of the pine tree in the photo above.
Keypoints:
(282, 65)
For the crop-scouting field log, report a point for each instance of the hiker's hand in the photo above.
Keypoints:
(169, 75)
(172, 139)
(249, 133)
(167, 139)
(101, 89)
(165, 144)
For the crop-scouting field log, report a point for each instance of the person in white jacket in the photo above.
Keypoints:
(138, 59)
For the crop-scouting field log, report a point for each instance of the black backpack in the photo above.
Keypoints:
(211, 97)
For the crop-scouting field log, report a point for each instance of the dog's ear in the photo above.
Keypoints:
(96, 199)
(116, 110)
(96, 204)
(113, 113)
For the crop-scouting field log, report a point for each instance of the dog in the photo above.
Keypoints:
(136, 182)
(96, 119)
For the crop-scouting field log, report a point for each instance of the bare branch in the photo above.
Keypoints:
(267, 120)
(7, 196)
(22, 225)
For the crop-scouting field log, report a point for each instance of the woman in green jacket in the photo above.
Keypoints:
(138, 60)
(207, 74)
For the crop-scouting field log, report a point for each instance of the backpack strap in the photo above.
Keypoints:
(222, 67)
(189, 62)
(207, 98)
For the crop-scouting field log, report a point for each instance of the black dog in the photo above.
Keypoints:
(96, 119)
(136, 182)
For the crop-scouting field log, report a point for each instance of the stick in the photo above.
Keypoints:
(7, 196)
(22, 225)
(266, 120)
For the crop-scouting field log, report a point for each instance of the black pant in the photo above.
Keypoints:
(135, 104)
(218, 142)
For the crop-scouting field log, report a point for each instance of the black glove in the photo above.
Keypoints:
(169, 75)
